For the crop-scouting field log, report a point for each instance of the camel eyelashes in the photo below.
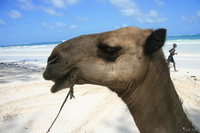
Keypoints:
(106, 49)
(107, 52)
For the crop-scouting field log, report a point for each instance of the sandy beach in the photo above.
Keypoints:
(28, 106)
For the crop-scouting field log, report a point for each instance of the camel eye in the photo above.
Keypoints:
(108, 53)
(108, 49)
(111, 50)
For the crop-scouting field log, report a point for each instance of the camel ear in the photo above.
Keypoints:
(155, 41)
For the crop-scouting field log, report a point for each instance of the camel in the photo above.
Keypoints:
(130, 62)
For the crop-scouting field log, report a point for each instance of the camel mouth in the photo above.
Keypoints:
(63, 83)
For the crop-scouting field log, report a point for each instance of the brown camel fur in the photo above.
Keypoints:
(130, 62)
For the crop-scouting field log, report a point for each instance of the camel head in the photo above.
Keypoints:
(116, 59)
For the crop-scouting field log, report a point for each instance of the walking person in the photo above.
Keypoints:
(170, 57)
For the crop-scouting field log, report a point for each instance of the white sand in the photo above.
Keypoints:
(27, 106)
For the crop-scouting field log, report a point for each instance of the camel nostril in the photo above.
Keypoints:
(52, 59)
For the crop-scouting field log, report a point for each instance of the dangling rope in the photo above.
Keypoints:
(71, 93)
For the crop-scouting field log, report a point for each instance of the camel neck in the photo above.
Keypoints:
(155, 105)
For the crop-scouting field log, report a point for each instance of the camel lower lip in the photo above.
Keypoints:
(63, 83)
(60, 84)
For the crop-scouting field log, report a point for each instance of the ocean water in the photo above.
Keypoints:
(40, 46)
(187, 45)
(27, 51)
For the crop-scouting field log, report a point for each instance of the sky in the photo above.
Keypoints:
(29, 21)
